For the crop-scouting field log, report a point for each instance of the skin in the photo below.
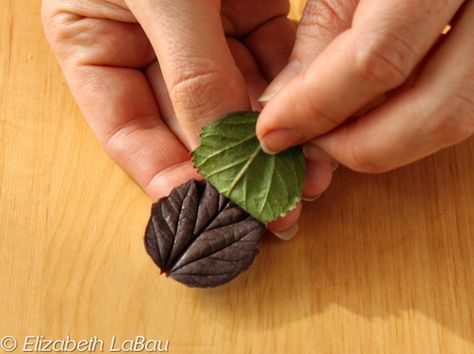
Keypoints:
(147, 75)
(370, 84)
(390, 55)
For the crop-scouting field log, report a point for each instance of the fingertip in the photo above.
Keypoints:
(311, 199)
(318, 177)
(261, 133)
(287, 234)
(166, 180)
(267, 150)
(286, 222)
(280, 139)
(263, 99)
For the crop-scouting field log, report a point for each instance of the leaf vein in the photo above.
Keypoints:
(227, 148)
(244, 169)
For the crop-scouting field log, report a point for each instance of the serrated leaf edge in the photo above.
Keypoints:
(292, 203)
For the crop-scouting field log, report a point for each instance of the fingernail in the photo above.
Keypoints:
(267, 150)
(279, 139)
(287, 234)
(265, 97)
(312, 199)
(334, 166)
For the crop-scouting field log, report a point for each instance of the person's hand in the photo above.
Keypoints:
(407, 89)
(149, 74)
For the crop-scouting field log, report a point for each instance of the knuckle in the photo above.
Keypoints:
(317, 121)
(454, 123)
(387, 59)
(48, 9)
(313, 118)
(447, 130)
(75, 29)
(53, 17)
(464, 100)
(45, 11)
(327, 15)
(48, 14)
(362, 159)
(61, 31)
(199, 88)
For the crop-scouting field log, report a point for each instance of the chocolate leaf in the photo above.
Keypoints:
(230, 158)
(200, 238)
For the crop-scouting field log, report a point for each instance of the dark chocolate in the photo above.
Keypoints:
(199, 237)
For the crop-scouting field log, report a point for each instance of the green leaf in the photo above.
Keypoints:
(230, 158)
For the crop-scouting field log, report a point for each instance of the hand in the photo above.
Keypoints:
(390, 55)
(149, 74)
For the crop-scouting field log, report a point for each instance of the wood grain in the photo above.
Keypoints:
(383, 264)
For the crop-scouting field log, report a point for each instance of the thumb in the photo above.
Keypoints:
(322, 21)
(200, 74)
(384, 43)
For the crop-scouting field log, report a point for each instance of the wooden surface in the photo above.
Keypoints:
(383, 264)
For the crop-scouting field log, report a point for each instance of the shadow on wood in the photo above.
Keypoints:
(385, 256)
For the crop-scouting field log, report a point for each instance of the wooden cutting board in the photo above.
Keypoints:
(382, 264)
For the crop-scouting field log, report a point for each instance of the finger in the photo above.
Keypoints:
(254, 80)
(318, 176)
(272, 55)
(286, 227)
(317, 180)
(116, 98)
(157, 82)
(436, 112)
(267, 33)
(387, 39)
(268, 57)
(98, 39)
(240, 18)
(200, 74)
(254, 83)
(322, 21)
